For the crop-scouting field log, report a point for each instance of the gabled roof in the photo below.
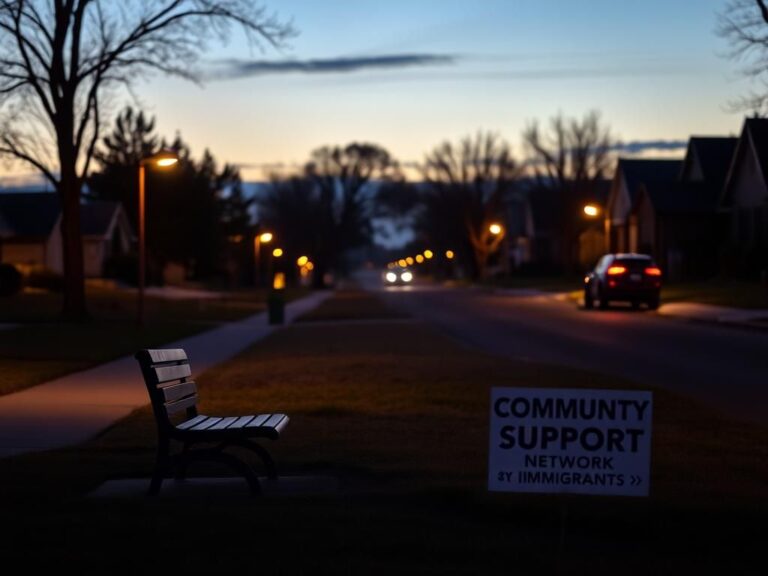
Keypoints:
(30, 214)
(754, 139)
(33, 215)
(637, 171)
(714, 155)
(682, 197)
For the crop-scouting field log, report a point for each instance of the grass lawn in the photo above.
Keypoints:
(399, 414)
(40, 347)
(719, 293)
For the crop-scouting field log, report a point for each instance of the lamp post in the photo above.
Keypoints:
(163, 159)
(259, 239)
(500, 237)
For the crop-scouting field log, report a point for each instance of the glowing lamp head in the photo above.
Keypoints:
(449, 254)
(266, 238)
(428, 254)
(409, 261)
(302, 261)
(495, 229)
(402, 263)
(419, 259)
(591, 210)
(277, 252)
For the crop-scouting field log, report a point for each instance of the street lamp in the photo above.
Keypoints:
(258, 240)
(495, 228)
(591, 210)
(163, 159)
(499, 237)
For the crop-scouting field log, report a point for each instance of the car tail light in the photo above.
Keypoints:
(653, 271)
(616, 270)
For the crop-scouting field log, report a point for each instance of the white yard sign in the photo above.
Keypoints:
(570, 441)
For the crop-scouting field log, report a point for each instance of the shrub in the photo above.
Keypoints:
(123, 267)
(45, 279)
(10, 280)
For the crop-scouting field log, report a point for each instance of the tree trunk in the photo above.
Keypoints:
(74, 307)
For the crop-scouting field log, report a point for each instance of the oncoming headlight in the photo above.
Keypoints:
(406, 276)
(391, 277)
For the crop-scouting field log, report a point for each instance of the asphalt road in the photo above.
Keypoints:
(726, 368)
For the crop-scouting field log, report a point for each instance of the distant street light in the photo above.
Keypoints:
(591, 210)
(163, 159)
(302, 261)
(277, 252)
(496, 228)
(419, 259)
(449, 254)
(428, 254)
(258, 240)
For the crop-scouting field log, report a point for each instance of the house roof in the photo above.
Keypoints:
(714, 154)
(31, 215)
(754, 132)
(682, 197)
(637, 171)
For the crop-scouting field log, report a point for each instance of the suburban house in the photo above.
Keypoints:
(679, 222)
(630, 175)
(744, 202)
(30, 232)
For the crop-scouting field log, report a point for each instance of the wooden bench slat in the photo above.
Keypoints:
(258, 420)
(241, 422)
(273, 420)
(167, 355)
(172, 372)
(179, 405)
(177, 391)
(282, 424)
(207, 424)
(191, 422)
(225, 422)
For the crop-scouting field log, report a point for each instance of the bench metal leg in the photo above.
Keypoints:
(161, 466)
(233, 462)
(181, 463)
(261, 452)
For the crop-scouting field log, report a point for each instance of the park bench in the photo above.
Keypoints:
(167, 374)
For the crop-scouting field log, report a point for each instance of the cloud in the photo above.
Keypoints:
(233, 68)
(640, 146)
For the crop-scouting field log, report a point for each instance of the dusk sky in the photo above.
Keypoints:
(409, 74)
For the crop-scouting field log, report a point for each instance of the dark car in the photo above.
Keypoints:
(634, 278)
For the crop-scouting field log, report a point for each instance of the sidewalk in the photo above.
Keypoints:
(754, 318)
(71, 409)
(742, 317)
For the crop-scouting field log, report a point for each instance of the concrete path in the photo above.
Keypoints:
(74, 408)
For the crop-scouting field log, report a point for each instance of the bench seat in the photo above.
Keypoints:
(264, 425)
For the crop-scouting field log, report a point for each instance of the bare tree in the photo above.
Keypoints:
(569, 159)
(60, 60)
(744, 24)
(465, 188)
(342, 175)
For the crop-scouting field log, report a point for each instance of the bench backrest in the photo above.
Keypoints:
(167, 375)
